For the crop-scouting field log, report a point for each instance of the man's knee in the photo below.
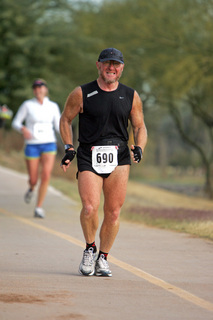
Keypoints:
(89, 210)
(113, 215)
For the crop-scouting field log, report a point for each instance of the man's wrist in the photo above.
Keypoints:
(68, 146)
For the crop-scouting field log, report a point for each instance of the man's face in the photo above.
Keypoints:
(110, 71)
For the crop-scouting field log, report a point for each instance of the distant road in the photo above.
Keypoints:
(157, 274)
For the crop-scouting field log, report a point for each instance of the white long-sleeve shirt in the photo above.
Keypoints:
(40, 119)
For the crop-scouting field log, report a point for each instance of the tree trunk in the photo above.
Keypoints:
(208, 187)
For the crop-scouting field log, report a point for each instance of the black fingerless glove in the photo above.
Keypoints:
(138, 154)
(70, 155)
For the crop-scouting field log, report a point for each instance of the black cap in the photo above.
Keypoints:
(39, 83)
(111, 54)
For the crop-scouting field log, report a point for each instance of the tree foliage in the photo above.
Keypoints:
(167, 46)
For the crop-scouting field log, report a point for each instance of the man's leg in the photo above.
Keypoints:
(90, 187)
(114, 195)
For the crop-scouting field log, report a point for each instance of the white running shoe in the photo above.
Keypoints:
(28, 195)
(87, 265)
(102, 267)
(39, 213)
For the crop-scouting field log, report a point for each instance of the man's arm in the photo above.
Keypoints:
(73, 106)
(138, 125)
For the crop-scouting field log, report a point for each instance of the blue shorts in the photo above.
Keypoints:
(34, 151)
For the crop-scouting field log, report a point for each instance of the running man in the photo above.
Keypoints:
(104, 107)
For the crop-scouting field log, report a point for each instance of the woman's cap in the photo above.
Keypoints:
(39, 83)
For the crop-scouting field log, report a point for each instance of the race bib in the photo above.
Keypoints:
(42, 131)
(104, 158)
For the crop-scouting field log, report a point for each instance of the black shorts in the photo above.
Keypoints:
(84, 156)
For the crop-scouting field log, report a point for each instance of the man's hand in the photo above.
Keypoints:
(66, 161)
(137, 153)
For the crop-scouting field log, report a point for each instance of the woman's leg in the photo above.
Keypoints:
(47, 162)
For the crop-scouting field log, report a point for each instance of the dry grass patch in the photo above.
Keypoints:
(144, 204)
(156, 197)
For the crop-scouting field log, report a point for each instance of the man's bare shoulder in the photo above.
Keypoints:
(75, 96)
(74, 101)
(76, 93)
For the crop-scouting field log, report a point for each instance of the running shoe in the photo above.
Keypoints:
(102, 267)
(28, 196)
(39, 213)
(87, 265)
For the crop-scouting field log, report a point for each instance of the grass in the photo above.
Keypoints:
(157, 208)
(145, 203)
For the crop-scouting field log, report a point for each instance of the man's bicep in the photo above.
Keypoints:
(136, 114)
(74, 104)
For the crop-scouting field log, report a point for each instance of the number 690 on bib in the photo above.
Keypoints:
(104, 158)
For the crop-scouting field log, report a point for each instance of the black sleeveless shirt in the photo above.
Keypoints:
(105, 113)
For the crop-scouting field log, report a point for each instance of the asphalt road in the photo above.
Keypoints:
(157, 274)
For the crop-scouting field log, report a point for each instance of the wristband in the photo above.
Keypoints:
(68, 146)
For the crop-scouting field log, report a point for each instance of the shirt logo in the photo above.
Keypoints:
(92, 93)
(121, 97)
